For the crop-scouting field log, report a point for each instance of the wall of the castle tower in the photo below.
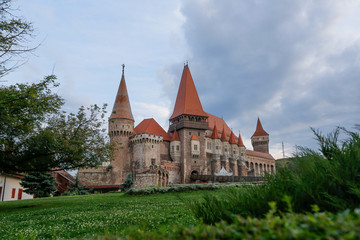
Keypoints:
(120, 130)
(189, 162)
(260, 143)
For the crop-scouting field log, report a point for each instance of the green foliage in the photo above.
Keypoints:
(40, 184)
(329, 179)
(181, 188)
(128, 183)
(15, 33)
(76, 188)
(38, 137)
(324, 225)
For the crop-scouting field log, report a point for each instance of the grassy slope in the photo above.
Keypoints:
(85, 216)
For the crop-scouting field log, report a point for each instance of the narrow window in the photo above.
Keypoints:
(195, 147)
(189, 133)
(199, 134)
(153, 161)
(172, 148)
(177, 147)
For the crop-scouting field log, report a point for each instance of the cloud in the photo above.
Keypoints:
(294, 63)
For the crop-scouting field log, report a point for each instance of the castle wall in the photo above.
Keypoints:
(95, 176)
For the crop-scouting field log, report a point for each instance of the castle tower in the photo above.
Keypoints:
(121, 127)
(260, 139)
(189, 119)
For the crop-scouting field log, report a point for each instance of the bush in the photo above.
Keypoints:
(329, 178)
(318, 225)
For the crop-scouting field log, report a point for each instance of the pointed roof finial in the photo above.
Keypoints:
(123, 66)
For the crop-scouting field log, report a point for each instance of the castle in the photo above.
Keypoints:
(197, 143)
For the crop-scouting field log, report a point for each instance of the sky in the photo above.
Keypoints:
(294, 64)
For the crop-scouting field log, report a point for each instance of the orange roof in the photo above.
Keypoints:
(240, 141)
(223, 136)
(259, 130)
(259, 154)
(121, 107)
(151, 126)
(232, 139)
(215, 133)
(214, 120)
(175, 136)
(195, 138)
(187, 100)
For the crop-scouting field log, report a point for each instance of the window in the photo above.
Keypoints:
(217, 147)
(13, 193)
(195, 147)
(152, 146)
(177, 147)
(172, 148)
(225, 149)
(189, 133)
(199, 134)
(234, 152)
(153, 161)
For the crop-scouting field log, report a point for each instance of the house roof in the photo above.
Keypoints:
(232, 139)
(175, 136)
(259, 154)
(195, 138)
(259, 130)
(187, 100)
(152, 127)
(214, 120)
(66, 175)
(122, 107)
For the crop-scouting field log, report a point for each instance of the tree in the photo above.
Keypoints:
(39, 184)
(15, 33)
(128, 183)
(36, 136)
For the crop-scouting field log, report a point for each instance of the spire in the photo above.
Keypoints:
(232, 139)
(122, 107)
(187, 100)
(215, 133)
(223, 136)
(259, 129)
(175, 136)
(240, 141)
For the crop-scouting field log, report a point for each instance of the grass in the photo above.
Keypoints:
(94, 215)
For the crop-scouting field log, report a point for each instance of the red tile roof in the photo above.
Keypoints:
(122, 107)
(223, 136)
(175, 136)
(152, 127)
(187, 100)
(259, 154)
(232, 139)
(240, 141)
(195, 138)
(215, 133)
(259, 130)
(214, 120)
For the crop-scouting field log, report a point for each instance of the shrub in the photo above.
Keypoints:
(318, 225)
(329, 178)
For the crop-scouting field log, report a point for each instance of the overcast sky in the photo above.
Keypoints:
(294, 64)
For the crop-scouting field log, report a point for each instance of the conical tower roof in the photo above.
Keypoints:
(259, 130)
(187, 100)
(240, 141)
(175, 136)
(232, 139)
(215, 134)
(122, 107)
(223, 136)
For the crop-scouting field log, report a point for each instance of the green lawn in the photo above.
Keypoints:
(93, 215)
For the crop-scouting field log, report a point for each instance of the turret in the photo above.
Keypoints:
(175, 147)
(260, 139)
(121, 127)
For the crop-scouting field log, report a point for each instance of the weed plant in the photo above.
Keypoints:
(328, 178)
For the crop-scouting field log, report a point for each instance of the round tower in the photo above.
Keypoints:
(121, 127)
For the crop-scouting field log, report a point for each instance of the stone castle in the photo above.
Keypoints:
(196, 144)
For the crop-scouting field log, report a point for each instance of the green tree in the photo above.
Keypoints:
(128, 183)
(36, 136)
(15, 33)
(39, 184)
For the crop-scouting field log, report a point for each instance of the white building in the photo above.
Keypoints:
(10, 188)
